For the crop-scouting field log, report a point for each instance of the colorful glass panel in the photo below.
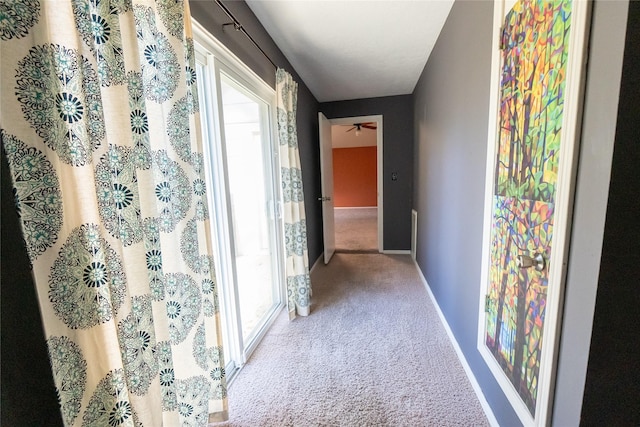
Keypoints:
(534, 57)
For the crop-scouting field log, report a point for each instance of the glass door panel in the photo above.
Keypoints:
(236, 116)
(215, 181)
(250, 188)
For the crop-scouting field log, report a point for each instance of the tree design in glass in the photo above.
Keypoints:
(534, 57)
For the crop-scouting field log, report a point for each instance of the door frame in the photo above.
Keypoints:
(257, 91)
(570, 138)
(219, 58)
(380, 163)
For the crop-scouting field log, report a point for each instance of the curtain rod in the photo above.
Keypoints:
(236, 24)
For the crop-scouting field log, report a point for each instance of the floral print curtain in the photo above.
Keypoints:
(295, 226)
(100, 125)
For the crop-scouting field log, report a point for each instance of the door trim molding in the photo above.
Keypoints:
(571, 126)
(380, 164)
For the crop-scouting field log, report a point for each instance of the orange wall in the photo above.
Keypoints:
(354, 177)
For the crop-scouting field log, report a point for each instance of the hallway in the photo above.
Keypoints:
(356, 230)
(373, 352)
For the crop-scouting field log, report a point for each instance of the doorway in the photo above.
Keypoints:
(357, 190)
(237, 117)
(250, 181)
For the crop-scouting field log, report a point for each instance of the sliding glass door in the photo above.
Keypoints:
(250, 183)
(236, 112)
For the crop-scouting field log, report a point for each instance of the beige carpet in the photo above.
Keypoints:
(356, 230)
(372, 353)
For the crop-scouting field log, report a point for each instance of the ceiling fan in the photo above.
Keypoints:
(359, 126)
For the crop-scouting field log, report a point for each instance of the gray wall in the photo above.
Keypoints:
(28, 393)
(208, 14)
(451, 107)
(451, 117)
(397, 157)
(590, 205)
(612, 389)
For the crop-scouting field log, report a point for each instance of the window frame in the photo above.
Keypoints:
(215, 60)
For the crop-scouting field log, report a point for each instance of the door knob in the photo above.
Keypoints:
(324, 199)
(525, 261)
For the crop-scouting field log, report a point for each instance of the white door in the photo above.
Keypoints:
(326, 168)
(536, 105)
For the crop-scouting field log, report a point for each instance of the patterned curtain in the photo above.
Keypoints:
(101, 129)
(295, 225)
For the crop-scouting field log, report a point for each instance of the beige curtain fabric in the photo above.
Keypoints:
(295, 226)
(99, 121)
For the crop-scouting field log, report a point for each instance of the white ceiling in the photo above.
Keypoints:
(343, 136)
(352, 49)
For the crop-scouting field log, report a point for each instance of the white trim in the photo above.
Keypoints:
(226, 56)
(498, 14)
(380, 171)
(397, 252)
(326, 186)
(576, 66)
(414, 233)
(217, 207)
(463, 360)
(218, 61)
(255, 340)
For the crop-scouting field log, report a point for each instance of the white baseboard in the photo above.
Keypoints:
(414, 233)
(397, 252)
(467, 369)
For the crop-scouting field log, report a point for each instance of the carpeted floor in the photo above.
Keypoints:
(356, 230)
(372, 353)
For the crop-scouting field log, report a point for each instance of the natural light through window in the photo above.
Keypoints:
(245, 160)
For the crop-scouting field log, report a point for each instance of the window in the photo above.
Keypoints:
(237, 115)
